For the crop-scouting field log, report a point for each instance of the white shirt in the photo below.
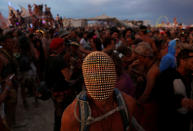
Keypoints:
(84, 44)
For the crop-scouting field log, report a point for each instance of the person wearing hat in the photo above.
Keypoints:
(57, 46)
(75, 51)
(169, 60)
(56, 79)
(146, 58)
(75, 62)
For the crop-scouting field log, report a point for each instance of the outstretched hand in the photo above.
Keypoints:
(187, 103)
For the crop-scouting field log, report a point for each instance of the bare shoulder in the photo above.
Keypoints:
(153, 72)
(69, 121)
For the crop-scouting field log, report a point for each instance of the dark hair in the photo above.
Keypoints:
(168, 34)
(125, 31)
(160, 43)
(184, 54)
(143, 29)
(137, 41)
(98, 44)
(107, 41)
(124, 50)
(80, 34)
(90, 35)
(114, 29)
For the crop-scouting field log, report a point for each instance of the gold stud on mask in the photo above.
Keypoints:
(99, 75)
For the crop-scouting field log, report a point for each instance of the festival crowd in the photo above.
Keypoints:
(127, 78)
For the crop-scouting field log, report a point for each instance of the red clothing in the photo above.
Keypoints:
(125, 84)
(146, 115)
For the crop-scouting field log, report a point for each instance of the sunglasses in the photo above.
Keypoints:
(190, 55)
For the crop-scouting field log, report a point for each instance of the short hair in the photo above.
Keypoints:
(143, 28)
(114, 29)
(184, 54)
(90, 35)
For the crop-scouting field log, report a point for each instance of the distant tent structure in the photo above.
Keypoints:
(102, 17)
(108, 19)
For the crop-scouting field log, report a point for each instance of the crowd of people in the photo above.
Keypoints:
(37, 16)
(134, 78)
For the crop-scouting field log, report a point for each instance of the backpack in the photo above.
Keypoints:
(86, 118)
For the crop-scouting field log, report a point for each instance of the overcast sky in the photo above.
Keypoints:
(123, 9)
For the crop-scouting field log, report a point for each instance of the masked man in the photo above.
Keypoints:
(101, 107)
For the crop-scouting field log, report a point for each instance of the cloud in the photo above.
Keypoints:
(124, 9)
(98, 2)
